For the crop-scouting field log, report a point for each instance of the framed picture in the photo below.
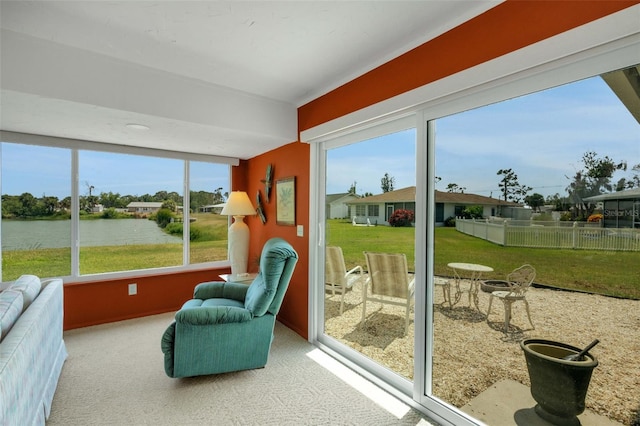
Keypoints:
(286, 201)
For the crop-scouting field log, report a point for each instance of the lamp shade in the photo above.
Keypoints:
(238, 204)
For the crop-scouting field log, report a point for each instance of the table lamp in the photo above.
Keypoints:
(238, 206)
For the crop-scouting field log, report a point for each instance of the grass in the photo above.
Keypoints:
(211, 246)
(603, 272)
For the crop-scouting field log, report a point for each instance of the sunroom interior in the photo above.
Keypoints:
(249, 95)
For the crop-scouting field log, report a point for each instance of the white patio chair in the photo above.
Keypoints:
(517, 284)
(388, 282)
(336, 277)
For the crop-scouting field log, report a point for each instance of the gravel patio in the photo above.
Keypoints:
(471, 354)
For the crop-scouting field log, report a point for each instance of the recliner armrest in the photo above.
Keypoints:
(207, 315)
(219, 289)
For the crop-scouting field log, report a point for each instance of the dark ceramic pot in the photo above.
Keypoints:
(489, 286)
(557, 385)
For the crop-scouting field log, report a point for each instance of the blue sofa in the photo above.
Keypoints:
(229, 326)
(32, 351)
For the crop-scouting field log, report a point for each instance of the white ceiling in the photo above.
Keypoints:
(211, 77)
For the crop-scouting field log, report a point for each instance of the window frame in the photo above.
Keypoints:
(75, 146)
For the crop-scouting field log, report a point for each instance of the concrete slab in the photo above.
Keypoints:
(509, 403)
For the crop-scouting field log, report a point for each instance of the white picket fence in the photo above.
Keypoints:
(556, 234)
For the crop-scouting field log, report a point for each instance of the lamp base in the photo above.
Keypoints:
(238, 245)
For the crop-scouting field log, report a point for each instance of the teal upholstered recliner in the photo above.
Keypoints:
(229, 326)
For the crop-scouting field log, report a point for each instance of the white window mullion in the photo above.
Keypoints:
(186, 210)
(75, 213)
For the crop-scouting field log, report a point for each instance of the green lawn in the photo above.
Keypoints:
(610, 273)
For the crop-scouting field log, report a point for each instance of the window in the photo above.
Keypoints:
(373, 210)
(128, 212)
(131, 212)
(36, 211)
(209, 184)
(361, 210)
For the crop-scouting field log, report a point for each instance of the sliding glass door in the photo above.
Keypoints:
(369, 246)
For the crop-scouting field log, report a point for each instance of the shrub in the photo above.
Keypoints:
(473, 212)
(194, 234)
(401, 218)
(450, 222)
(110, 213)
(595, 217)
(163, 217)
(173, 228)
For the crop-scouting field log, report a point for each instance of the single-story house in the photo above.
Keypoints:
(336, 205)
(143, 206)
(620, 209)
(377, 208)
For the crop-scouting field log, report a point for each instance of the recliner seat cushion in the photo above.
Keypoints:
(194, 303)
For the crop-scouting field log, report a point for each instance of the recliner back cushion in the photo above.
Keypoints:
(259, 296)
(276, 253)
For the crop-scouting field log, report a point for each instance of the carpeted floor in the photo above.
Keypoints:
(114, 376)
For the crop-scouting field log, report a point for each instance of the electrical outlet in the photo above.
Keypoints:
(300, 231)
(133, 289)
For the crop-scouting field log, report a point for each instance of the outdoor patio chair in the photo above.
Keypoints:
(516, 286)
(388, 282)
(336, 277)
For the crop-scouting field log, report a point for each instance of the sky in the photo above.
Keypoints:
(47, 171)
(541, 137)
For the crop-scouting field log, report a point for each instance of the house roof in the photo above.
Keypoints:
(330, 198)
(408, 194)
(138, 204)
(619, 195)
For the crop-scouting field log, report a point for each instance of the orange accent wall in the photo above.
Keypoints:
(106, 301)
(287, 161)
(505, 28)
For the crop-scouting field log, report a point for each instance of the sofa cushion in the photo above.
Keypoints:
(10, 309)
(29, 286)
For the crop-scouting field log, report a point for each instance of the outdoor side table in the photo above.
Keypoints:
(473, 273)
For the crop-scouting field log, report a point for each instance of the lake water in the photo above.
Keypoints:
(31, 234)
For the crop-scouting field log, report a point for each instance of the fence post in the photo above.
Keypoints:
(575, 235)
(504, 233)
(486, 229)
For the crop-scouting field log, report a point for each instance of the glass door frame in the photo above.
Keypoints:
(503, 79)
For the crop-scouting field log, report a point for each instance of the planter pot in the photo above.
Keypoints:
(558, 386)
(489, 286)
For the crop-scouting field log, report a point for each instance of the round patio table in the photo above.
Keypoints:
(472, 272)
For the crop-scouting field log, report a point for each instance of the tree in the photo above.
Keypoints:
(510, 187)
(50, 204)
(169, 205)
(535, 201)
(28, 205)
(352, 190)
(109, 199)
(387, 182)
(594, 179)
(632, 182)
(454, 188)
(560, 204)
